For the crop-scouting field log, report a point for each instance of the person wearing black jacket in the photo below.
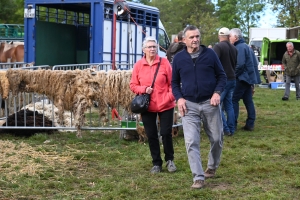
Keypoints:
(227, 54)
(175, 47)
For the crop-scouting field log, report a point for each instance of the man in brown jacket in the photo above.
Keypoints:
(175, 47)
(291, 63)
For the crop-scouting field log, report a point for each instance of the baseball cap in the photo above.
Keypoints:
(224, 31)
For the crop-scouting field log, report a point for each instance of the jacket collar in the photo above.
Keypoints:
(204, 48)
(239, 41)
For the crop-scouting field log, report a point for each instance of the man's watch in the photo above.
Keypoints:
(218, 92)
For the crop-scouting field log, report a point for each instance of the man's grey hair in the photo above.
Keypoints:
(237, 32)
(148, 39)
(190, 28)
(290, 43)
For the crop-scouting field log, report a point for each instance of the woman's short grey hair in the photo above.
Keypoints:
(237, 32)
(148, 39)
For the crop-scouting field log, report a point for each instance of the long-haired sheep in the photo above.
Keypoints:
(73, 90)
(69, 90)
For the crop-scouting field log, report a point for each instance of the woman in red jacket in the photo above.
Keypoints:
(162, 102)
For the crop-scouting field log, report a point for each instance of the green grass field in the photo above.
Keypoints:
(263, 164)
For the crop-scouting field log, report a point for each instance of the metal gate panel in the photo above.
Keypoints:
(93, 119)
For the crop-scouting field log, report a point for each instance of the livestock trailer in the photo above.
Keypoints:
(59, 32)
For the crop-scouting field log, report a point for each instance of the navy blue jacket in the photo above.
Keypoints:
(255, 62)
(200, 79)
(246, 68)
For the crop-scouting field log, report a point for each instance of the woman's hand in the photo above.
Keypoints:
(149, 90)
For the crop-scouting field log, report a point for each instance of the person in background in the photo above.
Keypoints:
(227, 54)
(290, 61)
(198, 79)
(175, 47)
(175, 39)
(210, 46)
(162, 103)
(246, 76)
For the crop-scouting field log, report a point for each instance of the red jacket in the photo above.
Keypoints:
(161, 98)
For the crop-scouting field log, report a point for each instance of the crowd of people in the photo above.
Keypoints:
(207, 84)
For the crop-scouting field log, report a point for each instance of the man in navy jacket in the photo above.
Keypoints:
(198, 79)
(247, 75)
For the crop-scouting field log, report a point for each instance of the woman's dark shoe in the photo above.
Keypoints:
(155, 169)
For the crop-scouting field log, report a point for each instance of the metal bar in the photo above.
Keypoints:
(24, 106)
(1, 104)
(33, 98)
(6, 114)
(53, 112)
(15, 111)
(43, 110)
(71, 118)
(19, 102)
(90, 115)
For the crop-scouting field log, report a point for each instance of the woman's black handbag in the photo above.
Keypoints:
(140, 103)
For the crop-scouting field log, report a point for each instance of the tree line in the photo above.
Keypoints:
(208, 15)
(211, 15)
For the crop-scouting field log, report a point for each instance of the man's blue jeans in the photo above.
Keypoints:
(226, 100)
(243, 91)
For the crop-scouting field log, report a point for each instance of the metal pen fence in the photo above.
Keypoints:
(94, 66)
(44, 106)
(12, 65)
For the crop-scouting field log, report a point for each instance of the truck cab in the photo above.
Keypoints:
(255, 45)
(75, 32)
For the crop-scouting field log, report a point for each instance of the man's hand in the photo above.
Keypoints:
(181, 106)
(215, 99)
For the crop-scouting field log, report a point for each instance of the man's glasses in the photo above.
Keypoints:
(151, 47)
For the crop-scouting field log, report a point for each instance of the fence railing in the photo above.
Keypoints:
(41, 105)
(95, 66)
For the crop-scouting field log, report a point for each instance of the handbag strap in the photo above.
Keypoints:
(152, 85)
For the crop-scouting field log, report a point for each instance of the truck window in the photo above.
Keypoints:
(163, 40)
(257, 43)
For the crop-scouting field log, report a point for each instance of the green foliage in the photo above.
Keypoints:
(241, 14)
(146, 2)
(176, 14)
(6, 8)
(11, 11)
(289, 12)
(226, 13)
